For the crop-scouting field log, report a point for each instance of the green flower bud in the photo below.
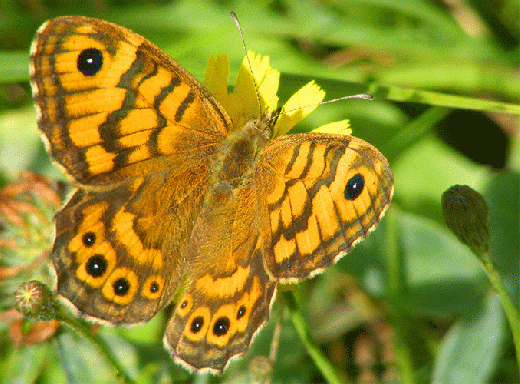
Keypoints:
(466, 214)
(35, 301)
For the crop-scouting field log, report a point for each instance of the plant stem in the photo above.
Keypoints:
(321, 362)
(510, 310)
(396, 282)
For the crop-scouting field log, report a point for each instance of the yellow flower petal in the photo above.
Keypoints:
(297, 107)
(339, 127)
(267, 79)
(244, 103)
(216, 78)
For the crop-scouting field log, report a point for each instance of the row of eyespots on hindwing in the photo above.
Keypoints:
(218, 327)
(96, 260)
(119, 284)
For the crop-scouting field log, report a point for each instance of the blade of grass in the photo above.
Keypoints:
(321, 362)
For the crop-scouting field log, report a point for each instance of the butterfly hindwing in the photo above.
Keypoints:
(117, 252)
(227, 294)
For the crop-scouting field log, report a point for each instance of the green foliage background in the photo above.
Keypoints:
(431, 67)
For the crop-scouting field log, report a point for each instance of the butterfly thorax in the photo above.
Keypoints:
(239, 152)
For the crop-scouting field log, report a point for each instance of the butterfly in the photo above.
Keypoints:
(175, 203)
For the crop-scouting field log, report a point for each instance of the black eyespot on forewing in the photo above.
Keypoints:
(90, 61)
(96, 265)
(221, 326)
(121, 286)
(354, 187)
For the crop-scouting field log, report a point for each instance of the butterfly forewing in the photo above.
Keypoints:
(109, 101)
(321, 194)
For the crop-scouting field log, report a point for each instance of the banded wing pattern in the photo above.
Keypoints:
(109, 100)
(322, 194)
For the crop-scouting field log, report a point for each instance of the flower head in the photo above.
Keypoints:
(250, 98)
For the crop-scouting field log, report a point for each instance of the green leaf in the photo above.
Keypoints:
(14, 66)
(442, 275)
(423, 172)
(473, 346)
(83, 362)
(502, 193)
(22, 366)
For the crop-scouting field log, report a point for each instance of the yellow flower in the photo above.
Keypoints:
(242, 103)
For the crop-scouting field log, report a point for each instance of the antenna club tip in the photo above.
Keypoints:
(366, 96)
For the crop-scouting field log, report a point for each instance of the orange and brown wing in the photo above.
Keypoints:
(321, 194)
(117, 252)
(112, 105)
(227, 294)
(137, 132)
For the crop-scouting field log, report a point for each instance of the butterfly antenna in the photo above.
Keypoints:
(235, 19)
(362, 96)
